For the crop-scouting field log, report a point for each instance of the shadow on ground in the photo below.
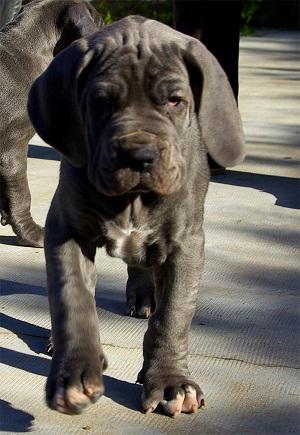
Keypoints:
(286, 190)
(42, 152)
(34, 336)
(9, 240)
(122, 392)
(125, 393)
(13, 419)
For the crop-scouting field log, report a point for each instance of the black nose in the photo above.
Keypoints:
(137, 157)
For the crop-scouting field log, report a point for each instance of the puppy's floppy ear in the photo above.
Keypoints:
(218, 115)
(53, 103)
(76, 20)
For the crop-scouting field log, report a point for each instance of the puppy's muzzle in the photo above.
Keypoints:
(137, 151)
(139, 158)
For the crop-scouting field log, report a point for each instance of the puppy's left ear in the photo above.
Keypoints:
(54, 100)
(76, 20)
(218, 115)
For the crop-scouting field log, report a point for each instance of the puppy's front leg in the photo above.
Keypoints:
(165, 372)
(75, 377)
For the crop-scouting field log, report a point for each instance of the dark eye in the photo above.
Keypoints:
(102, 96)
(173, 101)
(103, 100)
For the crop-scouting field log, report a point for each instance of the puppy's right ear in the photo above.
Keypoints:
(53, 103)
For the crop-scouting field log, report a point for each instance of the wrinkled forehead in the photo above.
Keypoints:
(138, 58)
(135, 61)
(143, 33)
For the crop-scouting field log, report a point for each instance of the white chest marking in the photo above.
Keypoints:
(121, 235)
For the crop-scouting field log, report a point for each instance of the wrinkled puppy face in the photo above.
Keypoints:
(135, 107)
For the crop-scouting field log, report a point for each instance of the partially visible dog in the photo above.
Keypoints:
(27, 45)
(133, 109)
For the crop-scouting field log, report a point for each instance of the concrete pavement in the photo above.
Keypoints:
(244, 343)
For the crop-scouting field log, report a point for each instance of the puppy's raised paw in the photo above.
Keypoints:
(74, 383)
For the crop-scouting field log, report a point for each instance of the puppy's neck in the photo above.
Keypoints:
(128, 234)
(133, 216)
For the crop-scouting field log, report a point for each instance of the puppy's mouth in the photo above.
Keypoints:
(125, 180)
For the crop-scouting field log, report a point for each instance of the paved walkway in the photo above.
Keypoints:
(244, 346)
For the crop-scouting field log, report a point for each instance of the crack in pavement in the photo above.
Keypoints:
(193, 355)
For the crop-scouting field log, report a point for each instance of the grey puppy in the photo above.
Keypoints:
(27, 46)
(134, 109)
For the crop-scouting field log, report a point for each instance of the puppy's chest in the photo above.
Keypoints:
(136, 244)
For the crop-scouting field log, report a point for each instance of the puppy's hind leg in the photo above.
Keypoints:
(140, 292)
(15, 196)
